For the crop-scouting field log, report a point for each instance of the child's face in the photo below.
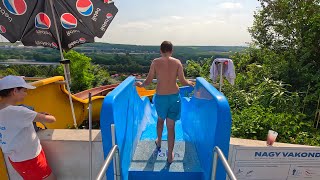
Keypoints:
(19, 94)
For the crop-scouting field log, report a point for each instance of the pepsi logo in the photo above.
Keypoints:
(76, 42)
(5, 14)
(106, 1)
(106, 22)
(68, 21)
(54, 45)
(84, 7)
(46, 44)
(2, 29)
(109, 16)
(42, 21)
(16, 7)
(82, 40)
(96, 14)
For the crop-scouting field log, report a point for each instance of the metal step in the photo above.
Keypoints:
(148, 163)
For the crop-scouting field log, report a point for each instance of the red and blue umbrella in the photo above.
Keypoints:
(46, 22)
(58, 24)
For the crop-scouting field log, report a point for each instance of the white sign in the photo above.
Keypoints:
(275, 163)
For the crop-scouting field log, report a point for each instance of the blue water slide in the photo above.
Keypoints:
(206, 120)
(205, 123)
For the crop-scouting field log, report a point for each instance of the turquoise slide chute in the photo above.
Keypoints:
(205, 123)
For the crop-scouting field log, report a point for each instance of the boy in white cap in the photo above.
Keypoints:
(18, 138)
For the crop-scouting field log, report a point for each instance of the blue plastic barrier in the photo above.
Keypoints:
(124, 108)
(206, 121)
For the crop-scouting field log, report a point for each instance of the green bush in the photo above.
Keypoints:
(255, 121)
(261, 101)
(81, 76)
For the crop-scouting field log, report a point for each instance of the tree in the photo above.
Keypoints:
(101, 75)
(200, 68)
(290, 29)
(26, 70)
(80, 66)
(8, 71)
(193, 69)
(286, 24)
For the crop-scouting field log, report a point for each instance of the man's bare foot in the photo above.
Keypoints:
(157, 144)
(170, 158)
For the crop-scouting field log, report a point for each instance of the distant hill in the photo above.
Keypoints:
(112, 54)
(125, 48)
(143, 48)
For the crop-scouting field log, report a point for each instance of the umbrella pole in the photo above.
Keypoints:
(56, 28)
(65, 69)
(65, 66)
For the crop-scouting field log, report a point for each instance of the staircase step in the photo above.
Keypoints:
(148, 163)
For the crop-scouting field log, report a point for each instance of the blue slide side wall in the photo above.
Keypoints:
(206, 121)
(124, 108)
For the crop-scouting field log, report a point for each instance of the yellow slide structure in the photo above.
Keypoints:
(51, 97)
(144, 92)
(3, 168)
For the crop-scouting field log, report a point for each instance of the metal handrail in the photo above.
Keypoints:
(107, 162)
(218, 153)
(29, 78)
(116, 159)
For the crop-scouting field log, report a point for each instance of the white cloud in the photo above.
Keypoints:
(189, 30)
(136, 25)
(205, 22)
(224, 22)
(230, 5)
(176, 17)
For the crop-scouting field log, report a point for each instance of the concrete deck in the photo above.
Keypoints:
(148, 163)
(67, 151)
(147, 158)
(258, 143)
(69, 135)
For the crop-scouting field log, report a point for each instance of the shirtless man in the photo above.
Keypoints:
(167, 98)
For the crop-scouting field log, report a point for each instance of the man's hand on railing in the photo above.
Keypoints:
(139, 84)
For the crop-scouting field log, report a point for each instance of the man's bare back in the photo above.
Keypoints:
(166, 70)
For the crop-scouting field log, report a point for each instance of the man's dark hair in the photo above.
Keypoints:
(166, 46)
(6, 92)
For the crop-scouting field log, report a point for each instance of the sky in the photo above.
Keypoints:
(183, 22)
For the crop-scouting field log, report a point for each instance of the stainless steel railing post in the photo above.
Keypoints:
(219, 154)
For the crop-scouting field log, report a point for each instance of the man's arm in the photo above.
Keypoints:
(181, 77)
(150, 76)
(44, 118)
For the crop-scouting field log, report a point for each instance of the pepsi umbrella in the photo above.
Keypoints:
(46, 22)
(58, 24)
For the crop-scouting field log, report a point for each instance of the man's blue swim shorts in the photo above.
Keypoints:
(168, 106)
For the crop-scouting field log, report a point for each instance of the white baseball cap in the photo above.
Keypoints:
(10, 82)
